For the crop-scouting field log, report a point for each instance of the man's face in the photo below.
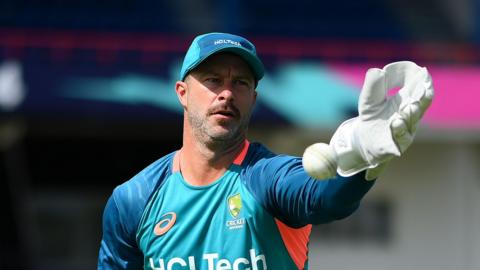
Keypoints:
(220, 94)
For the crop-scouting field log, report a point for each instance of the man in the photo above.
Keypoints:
(221, 202)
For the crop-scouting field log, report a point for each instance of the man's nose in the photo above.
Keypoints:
(227, 92)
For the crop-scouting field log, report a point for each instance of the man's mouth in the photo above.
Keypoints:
(229, 112)
(225, 113)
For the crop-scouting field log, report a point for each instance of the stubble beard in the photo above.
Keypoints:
(211, 135)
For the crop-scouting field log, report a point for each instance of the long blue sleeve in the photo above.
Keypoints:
(282, 186)
(119, 248)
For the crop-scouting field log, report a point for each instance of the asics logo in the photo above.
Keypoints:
(164, 225)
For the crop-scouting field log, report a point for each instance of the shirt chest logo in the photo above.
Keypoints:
(165, 224)
(234, 204)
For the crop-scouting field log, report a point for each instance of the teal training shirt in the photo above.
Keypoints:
(257, 215)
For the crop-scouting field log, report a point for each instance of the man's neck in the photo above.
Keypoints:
(201, 164)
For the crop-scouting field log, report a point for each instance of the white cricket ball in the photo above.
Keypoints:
(319, 161)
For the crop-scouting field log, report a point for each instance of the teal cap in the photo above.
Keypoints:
(206, 45)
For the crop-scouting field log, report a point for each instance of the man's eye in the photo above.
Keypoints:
(213, 80)
(242, 82)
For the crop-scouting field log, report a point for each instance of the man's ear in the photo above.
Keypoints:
(181, 90)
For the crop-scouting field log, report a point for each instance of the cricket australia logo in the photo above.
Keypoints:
(234, 204)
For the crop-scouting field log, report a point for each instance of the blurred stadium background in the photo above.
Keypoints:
(87, 100)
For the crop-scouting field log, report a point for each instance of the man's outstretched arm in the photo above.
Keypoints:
(282, 186)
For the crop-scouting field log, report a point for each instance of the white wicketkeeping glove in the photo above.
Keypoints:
(386, 126)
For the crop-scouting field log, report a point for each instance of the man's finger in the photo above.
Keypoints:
(411, 114)
(428, 84)
(398, 127)
(373, 92)
(427, 98)
(401, 135)
(415, 84)
(400, 73)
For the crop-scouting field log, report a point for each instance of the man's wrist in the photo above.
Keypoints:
(374, 173)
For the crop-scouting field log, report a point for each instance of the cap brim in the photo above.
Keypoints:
(253, 61)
